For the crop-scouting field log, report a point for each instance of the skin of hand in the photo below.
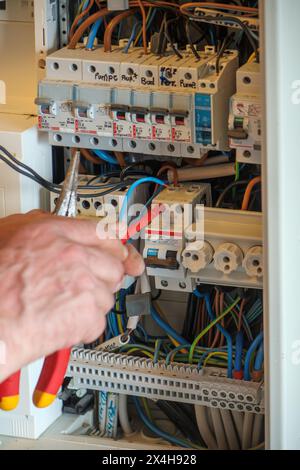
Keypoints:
(57, 283)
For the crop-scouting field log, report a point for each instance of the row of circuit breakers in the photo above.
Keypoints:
(147, 104)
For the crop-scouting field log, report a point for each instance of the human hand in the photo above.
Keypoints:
(57, 282)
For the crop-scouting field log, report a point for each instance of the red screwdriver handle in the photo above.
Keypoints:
(10, 392)
(51, 378)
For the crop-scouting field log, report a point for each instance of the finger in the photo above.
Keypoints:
(95, 331)
(134, 264)
(85, 233)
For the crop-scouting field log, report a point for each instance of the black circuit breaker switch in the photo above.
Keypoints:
(138, 305)
(117, 5)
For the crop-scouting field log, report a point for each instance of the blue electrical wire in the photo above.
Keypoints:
(220, 328)
(258, 364)
(131, 39)
(239, 341)
(171, 353)
(206, 353)
(148, 179)
(156, 430)
(106, 157)
(167, 328)
(86, 4)
(93, 33)
(254, 345)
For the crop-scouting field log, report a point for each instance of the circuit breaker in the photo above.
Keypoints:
(246, 114)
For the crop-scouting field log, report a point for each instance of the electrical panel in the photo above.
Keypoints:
(163, 104)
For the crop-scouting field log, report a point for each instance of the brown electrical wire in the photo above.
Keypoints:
(121, 160)
(84, 26)
(88, 156)
(144, 26)
(80, 17)
(172, 168)
(111, 26)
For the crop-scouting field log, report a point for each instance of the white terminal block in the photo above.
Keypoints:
(237, 243)
(169, 70)
(228, 258)
(96, 206)
(230, 253)
(65, 64)
(253, 262)
(149, 71)
(246, 114)
(197, 256)
(101, 67)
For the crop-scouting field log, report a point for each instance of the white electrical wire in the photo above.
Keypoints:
(123, 415)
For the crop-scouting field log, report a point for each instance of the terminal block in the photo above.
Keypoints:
(111, 372)
(246, 114)
(136, 103)
(235, 249)
(99, 206)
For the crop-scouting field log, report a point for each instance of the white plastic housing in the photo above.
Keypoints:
(228, 257)
(197, 255)
(253, 261)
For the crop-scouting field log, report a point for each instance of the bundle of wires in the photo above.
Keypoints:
(25, 170)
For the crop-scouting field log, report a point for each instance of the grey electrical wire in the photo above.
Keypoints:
(230, 431)
(238, 418)
(219, 429)
(247, 431)
(257, 430)
(204, 428)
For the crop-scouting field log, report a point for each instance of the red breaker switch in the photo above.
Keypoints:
(181, 131)
(161, 124)
(141, 122)
(122, 122)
